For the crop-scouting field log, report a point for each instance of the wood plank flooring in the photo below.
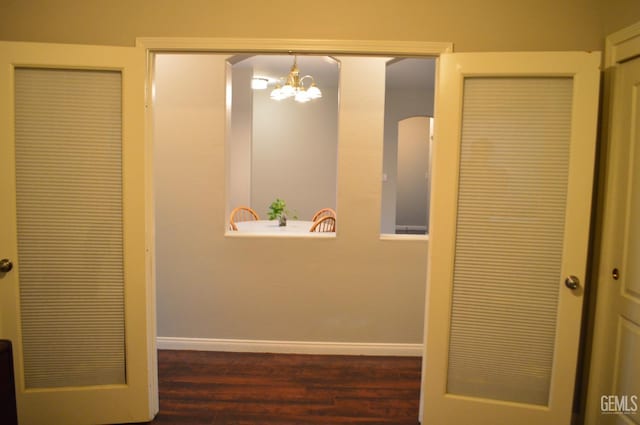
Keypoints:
(198, 387)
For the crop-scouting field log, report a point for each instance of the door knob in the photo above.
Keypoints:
(615, 274)
(5, 265)
(572, 282)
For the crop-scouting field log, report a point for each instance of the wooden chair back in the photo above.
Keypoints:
(242, 214)
(323, 213)
(324, 224)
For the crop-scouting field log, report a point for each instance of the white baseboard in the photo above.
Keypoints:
(290, 347)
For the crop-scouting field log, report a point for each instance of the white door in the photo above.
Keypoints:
(511, 203)
(75, 233)
(614, 380)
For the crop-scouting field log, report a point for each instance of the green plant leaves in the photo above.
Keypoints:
(277, 208)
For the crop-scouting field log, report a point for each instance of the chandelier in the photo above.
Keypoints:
(294, 87)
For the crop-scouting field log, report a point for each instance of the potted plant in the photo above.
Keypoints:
(278, 211)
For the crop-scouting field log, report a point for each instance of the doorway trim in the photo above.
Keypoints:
(282, 45)
(622, 45)
(154, 45)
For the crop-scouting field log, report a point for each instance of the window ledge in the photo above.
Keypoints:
(394, 237)
(316, 235)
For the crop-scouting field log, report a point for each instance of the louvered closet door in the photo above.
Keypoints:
(69, 211)
(514, 152)
(75, 303)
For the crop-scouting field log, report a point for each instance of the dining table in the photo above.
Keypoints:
(273, 228)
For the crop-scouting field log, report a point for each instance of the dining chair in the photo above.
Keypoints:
(324, 224)
(324, 212)
(242, 214)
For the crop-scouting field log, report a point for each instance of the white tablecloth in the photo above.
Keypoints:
(270, 227)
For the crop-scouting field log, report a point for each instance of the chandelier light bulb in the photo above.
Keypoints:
(288, 90)
(258, 83)
(302, 96)
(314, 92)
(276, 93)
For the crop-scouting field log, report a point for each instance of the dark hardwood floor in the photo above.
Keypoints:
(199, 387)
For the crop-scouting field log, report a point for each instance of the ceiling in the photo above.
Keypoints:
(402, 73)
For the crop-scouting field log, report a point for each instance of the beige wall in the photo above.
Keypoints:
(471, 25)
(352, 288)
(618, 14)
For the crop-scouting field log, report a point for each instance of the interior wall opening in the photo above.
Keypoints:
(283, 148)
(408, 132)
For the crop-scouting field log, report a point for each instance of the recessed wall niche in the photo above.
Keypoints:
(282, 148)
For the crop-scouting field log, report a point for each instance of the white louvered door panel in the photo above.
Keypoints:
(510, 226)
(69, 211)
(513, 170)
(77, 304)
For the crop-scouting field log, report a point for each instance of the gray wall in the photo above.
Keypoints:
(413, 168)
(295, 153)
(399, 104)
(239, 148)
